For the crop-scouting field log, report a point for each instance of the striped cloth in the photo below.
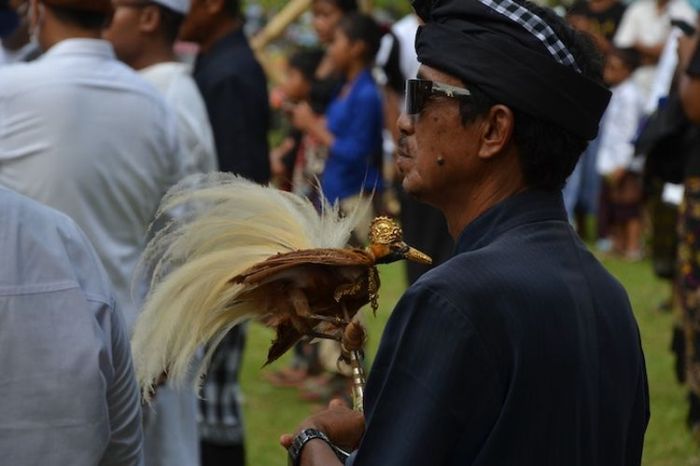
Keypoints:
(220, 415)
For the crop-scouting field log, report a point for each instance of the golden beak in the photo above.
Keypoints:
(414, 255)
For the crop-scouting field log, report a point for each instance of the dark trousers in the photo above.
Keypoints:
(222, 455)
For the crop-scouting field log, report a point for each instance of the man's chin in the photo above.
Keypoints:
(412, 189)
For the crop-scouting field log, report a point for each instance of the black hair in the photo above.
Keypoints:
(629, 56)
(548, 153)
(307, 62)
(233, 8)
(91, 20)
(362, 27)
(346, 6)
(170, 23)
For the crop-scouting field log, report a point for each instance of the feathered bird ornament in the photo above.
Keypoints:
(240, 251)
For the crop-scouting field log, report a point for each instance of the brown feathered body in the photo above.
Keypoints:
(293, 289)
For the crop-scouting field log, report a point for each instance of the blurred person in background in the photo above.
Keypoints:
(234, 88)
(68, 394)
(352, 128)
(298, 162)
(143, 36)
(645, 27)
(233, 85)
(326, 17)
(83, 133)
(599, 19)
(689, 233)
(405, 31)
(622, 183)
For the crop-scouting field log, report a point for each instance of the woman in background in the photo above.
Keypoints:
(352, 127)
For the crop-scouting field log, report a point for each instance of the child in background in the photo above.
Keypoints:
(298, 161)
(622, 187)
(326, 17)
(353, 125)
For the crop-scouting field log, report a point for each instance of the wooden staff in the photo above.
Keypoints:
(279, 23)
(275, 28)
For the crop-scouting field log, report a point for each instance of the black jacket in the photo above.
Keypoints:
(234, 89)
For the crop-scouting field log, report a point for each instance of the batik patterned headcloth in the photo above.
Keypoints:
(536, 26)
(512, 55)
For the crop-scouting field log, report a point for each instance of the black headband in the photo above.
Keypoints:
(514, 57)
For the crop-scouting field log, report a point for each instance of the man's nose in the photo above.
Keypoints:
(406, 123)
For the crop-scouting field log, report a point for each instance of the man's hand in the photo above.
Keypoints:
(343, 426)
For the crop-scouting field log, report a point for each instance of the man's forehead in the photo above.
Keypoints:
(431, 74)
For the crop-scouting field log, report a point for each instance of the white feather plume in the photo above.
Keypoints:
(224, 225)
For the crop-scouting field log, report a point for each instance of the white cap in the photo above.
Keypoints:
(178, 6)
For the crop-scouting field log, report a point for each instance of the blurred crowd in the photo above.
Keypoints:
(105, 105)
(636, 185)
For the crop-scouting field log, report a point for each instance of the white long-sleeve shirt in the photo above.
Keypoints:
(175, 82)
(68, 394)
(85, 134)
(620, 125)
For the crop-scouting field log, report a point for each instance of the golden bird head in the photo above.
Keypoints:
(386, 243)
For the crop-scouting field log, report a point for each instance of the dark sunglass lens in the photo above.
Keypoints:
(416, 93)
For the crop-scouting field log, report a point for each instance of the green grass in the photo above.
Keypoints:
(270, 411)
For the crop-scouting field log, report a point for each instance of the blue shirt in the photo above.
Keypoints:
(520, 350)
(356, 121)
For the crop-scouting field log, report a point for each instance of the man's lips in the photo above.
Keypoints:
(403, 153)
(404, 161)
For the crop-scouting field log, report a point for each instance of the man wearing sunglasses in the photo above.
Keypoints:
(521, 349)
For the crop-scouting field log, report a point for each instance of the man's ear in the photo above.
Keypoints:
(496, 131)
(150, 18)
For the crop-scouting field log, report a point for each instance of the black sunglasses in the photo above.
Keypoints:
(418, 91)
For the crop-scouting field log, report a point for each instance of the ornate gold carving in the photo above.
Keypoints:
(385, 231)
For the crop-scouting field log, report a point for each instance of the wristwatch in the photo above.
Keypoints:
(304, 437)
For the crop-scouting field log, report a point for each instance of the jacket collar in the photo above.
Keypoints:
(526, 207)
